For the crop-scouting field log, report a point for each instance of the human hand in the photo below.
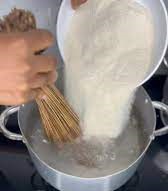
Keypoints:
(77, 3)
(22, 72)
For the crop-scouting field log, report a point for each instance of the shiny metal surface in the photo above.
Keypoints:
(163, 108)
(164, 117)
(65, 182)
(166, 63)
(4, 116)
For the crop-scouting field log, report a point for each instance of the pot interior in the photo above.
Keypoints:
(86, 160)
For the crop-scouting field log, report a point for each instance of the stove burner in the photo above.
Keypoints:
(5, 184)
(161, 155)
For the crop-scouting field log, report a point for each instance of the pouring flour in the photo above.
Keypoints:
(108, 52)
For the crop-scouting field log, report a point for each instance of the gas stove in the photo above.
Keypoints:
(17, 172)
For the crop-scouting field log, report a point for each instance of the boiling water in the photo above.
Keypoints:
(93, 158)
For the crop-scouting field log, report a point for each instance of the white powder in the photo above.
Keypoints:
(108, 52)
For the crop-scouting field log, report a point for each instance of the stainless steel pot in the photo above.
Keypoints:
(28, 117)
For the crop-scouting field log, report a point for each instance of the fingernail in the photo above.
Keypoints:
(42, 96)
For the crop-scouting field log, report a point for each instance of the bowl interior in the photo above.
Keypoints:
(159, 15)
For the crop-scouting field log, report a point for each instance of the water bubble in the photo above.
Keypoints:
(132, 151)
(113, 157)
(45, 141)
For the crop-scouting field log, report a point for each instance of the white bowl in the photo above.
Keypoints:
(64, 17)
(159, 14)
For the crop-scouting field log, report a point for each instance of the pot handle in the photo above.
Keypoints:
(165, 62)
(162, 107)
(3, 120)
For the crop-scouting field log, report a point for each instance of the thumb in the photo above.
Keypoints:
(77, 3)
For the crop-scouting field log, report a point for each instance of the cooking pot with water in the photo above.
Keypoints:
(28, 119)
(28, 115)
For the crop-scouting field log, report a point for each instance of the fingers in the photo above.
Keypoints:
(44, 71)
(43, 64)
(25, 73)
(38, 40)
(41, 80)
(52, 77)
(6, 98)
(77, 3)
(30, 95)
(31, 42)
(17, 98)
(30, 91)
